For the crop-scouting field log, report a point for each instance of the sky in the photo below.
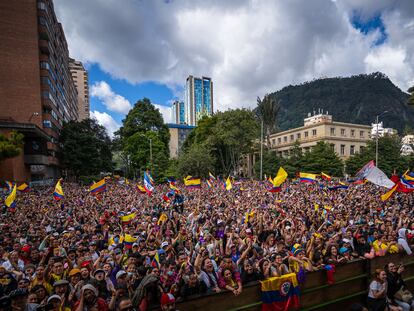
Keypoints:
(146, 48)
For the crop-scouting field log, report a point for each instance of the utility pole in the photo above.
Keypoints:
(261, 151)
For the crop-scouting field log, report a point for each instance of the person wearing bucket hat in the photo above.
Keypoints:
(298, 261)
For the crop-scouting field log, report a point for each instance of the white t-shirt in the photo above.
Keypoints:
(376, 286)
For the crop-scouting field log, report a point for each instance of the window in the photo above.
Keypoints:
(342, 132)
(332, 147)
(332, 131)
(352, 150)
(292, 137)
(353, 133)
(47, 124)
(313, 132)
(342, 149)
(279, 140)
(273, 141)
(361, 134)
(306, 134)
(361, 149)
(285, 138)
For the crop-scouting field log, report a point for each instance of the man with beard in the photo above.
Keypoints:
(89, 300)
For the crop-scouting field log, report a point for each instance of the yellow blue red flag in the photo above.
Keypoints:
(23, 187)
(98, 186)
(307, 177)
(128, 218)
(11, 199)
(280, 293)
(325, 176)
(58, 193)
(192, 182)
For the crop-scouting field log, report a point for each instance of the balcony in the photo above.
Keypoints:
(44, 46)
(36, 159)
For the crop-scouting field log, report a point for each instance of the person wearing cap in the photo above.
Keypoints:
(121, 277)
(298, 261)
(102, 284)
(167, 302)
(56, 301)
(89, 300)
(62, 289)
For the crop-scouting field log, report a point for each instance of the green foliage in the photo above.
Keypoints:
(356, 99)
(144, 117)
(322, 158)
(227, 135)
(144, 123)
(267, 111)
(172, 169)
(389, 156)
(197, 161)
(12, 146)
(137, 146)
(411, 98)
(271, 163)
(88, 180)
(86, 148)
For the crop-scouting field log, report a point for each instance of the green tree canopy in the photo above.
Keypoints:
(142, 118)
(228, 135)
(10, 146)
(86, 148)
(271, 163)
(144, 123)
(196, 161)
(322, 158)
(267, 110)
(389, 156)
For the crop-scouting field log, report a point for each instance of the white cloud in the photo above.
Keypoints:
(248, 47)
(112, 101)
(106, 121)
(166, 112)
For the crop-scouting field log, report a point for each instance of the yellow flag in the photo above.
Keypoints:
(387, 195)
(11, 199)
(228, 184)
(162, 218)
(280, 177)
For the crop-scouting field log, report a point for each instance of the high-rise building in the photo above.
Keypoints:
(178, 135)
(80, 78)
(37, 92)
(198, 99)
(178, 110)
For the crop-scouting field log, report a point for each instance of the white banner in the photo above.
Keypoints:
(378, 177)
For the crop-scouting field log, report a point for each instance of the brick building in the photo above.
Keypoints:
(36, 88)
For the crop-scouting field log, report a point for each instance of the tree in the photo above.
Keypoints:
(197, 161)
(137, 147)
(142, 118)
(389, 156)
(293, 164)
(86, 148)
(271, 163)
(267, 111)
(322, 157)
(12, 146)
(143, 123)
(411, 98)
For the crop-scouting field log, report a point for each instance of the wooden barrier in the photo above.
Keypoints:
(351, 285)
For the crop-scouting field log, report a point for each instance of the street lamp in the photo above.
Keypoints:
(376, 138)
(34, 114)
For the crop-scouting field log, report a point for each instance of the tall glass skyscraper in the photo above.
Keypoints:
(178, 112)
(198, 99)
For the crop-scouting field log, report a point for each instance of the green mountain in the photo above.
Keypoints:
(356, 99)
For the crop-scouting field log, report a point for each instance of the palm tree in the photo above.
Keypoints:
(267, 111)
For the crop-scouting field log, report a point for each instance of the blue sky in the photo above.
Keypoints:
(249, 48)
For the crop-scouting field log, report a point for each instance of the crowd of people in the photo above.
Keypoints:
(77, 254)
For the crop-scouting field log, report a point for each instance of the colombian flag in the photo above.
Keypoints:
(129, 240)
(228, 184)
(306, 177)
(11, 199)
(280, 177)
(388, 194)
(127, 218)
(141, 189)
(58, 194)
(325, 176)
(192, 182)
(9, 185)
(98, 186)
(23, 188)
(280, 293)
